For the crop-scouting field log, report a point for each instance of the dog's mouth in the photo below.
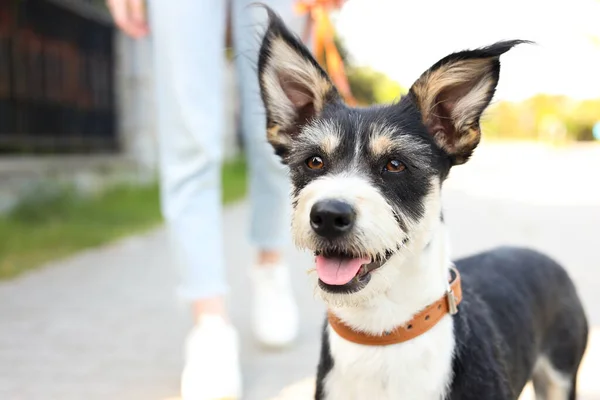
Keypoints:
(346, 272)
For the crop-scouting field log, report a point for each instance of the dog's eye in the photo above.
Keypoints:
(394, 166)
(315, 162)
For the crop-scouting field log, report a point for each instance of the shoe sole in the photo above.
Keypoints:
(275, 346)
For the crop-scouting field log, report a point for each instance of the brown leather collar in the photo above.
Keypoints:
(419, 324)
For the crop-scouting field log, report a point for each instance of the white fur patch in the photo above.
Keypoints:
(548, 382)
(323, 134)
(419, 369)
(376, 230)
(380, 232)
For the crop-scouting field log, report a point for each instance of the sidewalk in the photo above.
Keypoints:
(106, 325)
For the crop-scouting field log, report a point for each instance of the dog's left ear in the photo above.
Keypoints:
(453, 94)
(294, 88)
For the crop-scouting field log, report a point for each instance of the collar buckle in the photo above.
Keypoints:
(451, 298)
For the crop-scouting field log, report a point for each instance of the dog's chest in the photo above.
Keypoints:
(420, 369)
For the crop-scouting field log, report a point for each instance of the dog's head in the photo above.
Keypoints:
(367, 181)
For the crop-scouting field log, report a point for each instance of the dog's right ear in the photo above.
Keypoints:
(294, 88)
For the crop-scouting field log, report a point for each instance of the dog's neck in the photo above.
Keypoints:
(422, 279)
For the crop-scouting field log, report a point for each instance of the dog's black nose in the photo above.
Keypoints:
(332, 218)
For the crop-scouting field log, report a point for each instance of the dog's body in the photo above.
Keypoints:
(520, 319)
(367, 200)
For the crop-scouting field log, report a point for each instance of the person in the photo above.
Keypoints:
(188, 42)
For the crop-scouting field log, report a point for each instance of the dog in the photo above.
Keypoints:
(404, 321)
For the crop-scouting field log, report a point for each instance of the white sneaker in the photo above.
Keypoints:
(275, 313)
(212, 368)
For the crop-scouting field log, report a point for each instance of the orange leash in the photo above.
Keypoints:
(319, 25)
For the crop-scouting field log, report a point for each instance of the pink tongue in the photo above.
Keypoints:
(339, 271)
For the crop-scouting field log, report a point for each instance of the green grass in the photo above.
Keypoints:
(47, 227)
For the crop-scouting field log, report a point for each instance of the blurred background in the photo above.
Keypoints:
(87, 308)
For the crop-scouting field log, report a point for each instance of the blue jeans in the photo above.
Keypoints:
(189, 37)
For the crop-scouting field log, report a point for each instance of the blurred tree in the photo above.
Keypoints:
(372, 87)
(543, 117)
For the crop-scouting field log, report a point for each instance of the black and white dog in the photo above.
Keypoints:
(366, 201)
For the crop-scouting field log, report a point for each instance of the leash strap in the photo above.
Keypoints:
(320, 27)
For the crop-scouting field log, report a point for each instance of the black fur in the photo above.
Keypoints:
(517, 304)
(325, 363)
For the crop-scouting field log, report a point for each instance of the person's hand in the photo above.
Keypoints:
(130, 16)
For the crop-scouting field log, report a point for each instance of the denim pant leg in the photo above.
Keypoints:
(189, 62)
(269, 183)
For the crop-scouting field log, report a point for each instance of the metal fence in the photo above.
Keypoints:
(56, 79)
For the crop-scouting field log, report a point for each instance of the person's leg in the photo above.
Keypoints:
(188, 44)
(189, 60)
(275, 314)
(269, 183)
